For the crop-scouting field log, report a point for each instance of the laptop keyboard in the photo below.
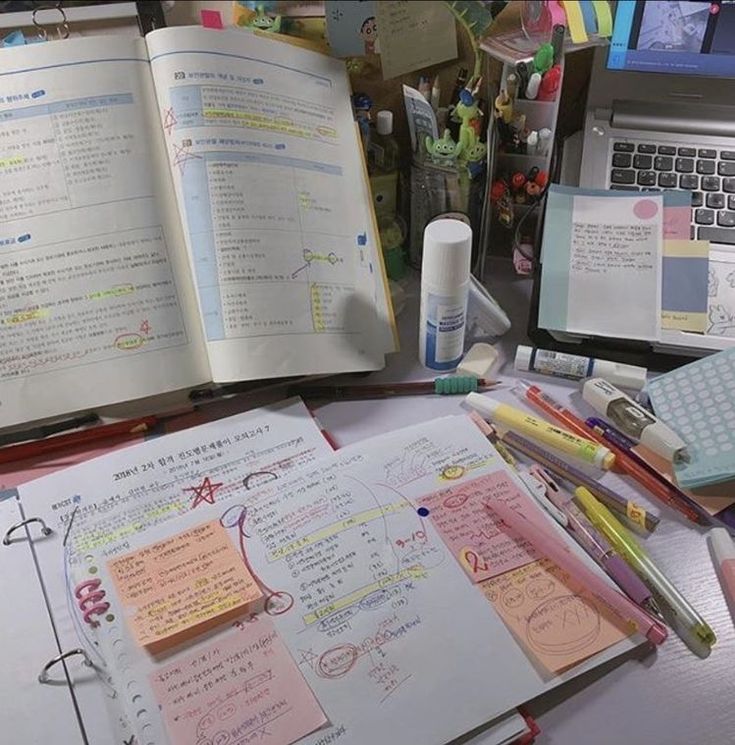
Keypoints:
(708, 173)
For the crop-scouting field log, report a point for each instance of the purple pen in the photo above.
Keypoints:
(595, 544)
(616, 438)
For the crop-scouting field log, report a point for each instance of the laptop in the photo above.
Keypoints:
(661, 115)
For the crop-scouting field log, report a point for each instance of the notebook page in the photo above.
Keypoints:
(97, 305)
(359, 586)
(120, 494)
(269, 176)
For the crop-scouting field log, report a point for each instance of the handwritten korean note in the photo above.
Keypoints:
(615, 266)
(237, 689)
(468, 529)
(414, 35)
(552, 615)
(182, 586)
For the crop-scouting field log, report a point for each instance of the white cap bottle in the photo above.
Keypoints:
(445, 281)
(576, 367)
(384, 122)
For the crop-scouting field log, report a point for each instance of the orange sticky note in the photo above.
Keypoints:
(183, 586)
(552, 616)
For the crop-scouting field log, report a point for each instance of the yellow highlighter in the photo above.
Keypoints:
(541, 431)
(626, 545)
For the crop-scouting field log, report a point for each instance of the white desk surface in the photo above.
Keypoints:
(666, 697)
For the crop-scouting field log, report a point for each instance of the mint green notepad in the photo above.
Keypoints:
(698, 402)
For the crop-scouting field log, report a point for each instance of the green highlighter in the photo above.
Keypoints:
(626, 545)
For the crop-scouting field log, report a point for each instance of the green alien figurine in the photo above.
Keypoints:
(475, 156)
(443, 151)
(263, 22)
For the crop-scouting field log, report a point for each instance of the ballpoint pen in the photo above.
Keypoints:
(552, 547)
(667, 490)
(596, 545)
(533, 486)
(614, 501)
(625, 461)
(685, 616)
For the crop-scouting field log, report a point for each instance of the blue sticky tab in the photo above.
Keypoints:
(14, 39)
(8, 494)
(589, 16)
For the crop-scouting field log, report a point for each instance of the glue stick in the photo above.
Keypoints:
(445, 282)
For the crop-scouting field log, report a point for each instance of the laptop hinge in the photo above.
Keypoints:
(689, 118)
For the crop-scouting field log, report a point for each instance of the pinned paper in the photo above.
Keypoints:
(414, 35)
(552, 616)
(352, 29)
(212, 19)
(604, 17)
(236, 690)
(183, 586)
(575, 21)
(685, 268)
(469, 531)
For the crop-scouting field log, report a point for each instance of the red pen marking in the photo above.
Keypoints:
(204, 492)
(169, 120)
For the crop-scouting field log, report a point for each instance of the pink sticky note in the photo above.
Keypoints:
(676, 223)
(468, 528)
(212, 19)
(234, 688)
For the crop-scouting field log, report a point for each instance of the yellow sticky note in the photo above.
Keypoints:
(183, 586)
(604, 17)
(552, 616)
(575, 21)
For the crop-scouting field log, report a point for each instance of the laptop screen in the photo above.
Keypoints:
(685, 37)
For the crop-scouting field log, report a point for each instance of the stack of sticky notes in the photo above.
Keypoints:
(183, 586)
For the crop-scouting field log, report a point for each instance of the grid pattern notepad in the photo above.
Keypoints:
(698, 402)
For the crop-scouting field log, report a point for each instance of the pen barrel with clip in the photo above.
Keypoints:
(646, 474)
(627, 546)
(598, 547)
(560, 439)
(579, 478)
(554, 549)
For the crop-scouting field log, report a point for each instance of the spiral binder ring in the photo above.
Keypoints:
(91, 600)
(62, 26)
(44, 677)
(44, 528)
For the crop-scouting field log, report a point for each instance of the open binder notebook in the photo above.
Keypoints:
(358, 585)
(188, 208)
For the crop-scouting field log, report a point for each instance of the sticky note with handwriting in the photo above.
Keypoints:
(468, 528)
(239, 688)
(553, 617)
(182, 586)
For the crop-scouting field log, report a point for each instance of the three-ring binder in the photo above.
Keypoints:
(45, 530)
(43, 676)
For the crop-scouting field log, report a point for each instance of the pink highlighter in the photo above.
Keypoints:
(723, 549)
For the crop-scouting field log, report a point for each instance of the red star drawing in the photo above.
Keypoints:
(204, 492)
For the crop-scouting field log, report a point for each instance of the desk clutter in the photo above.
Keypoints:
(218, 219)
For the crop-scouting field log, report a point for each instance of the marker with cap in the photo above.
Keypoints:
(537, 429)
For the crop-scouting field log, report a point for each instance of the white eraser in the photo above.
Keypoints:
(478, 361)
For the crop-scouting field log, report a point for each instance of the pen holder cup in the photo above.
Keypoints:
(455, 191)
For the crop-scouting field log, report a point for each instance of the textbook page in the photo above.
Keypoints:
(96, 304)
(267, 165)
(101, 505)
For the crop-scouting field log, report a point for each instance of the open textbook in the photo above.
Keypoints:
(179, 210)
